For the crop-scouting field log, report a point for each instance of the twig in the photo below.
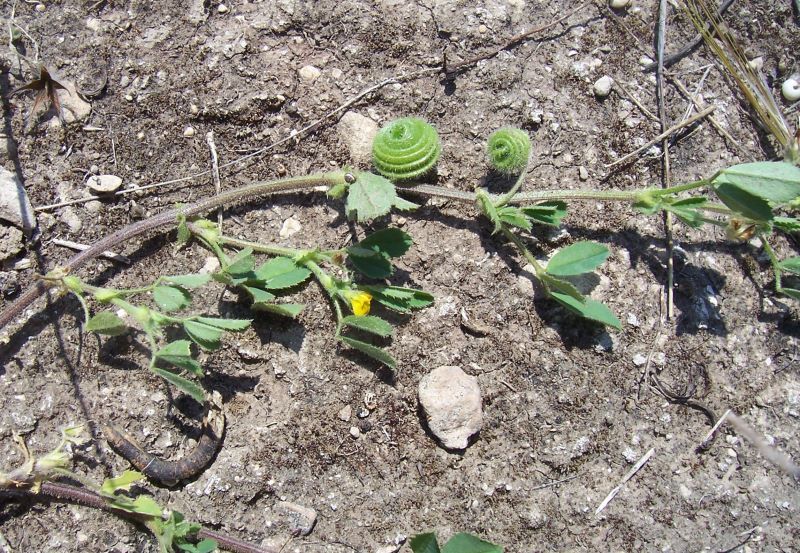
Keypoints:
(672, 59)
(113, 256)
(512, 42)
(553, 483)
(633, 99)
(706, 441)
(675, 128)
(777, 458)
(215, 173)
(711, 119)
(639, 464)
(661, 37)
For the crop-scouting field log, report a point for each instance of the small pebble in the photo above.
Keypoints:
(290, 226)
(104, 184)
(791, 88)
(355, 432)
(639, 359)
(222, 8)
(309, 73)
(619, 4)
(345, 413)
(602, 86)
(40, 8)
(583, 174)
(188, 132)
(482, 29)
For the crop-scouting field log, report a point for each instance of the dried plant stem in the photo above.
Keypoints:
(81, 496)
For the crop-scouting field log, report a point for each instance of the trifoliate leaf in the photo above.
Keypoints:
(589, 309)
(281, 272)
(424, 543)
(391, 242)
(185, 385)
(371, 196)
(370, 263)
(194, 280)
(791, 264)
(514, 216)
(467, 543)
(398, 298)
(773, 181)
(171, 298)
(370, 350)
(205, 336)
(743, 202)
(242, 263)
(106, 323)
(290, 310)
(546, 213)
(579, 258)
(225, 324)
(179, 353)
(369, 323)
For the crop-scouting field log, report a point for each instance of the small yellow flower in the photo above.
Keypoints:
(359, 302)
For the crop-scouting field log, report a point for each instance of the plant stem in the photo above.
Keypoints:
(326, 282)
(269, 249)
(514, 189)
(773, 259)
(74, 494)
(537, 267)
(168, 218)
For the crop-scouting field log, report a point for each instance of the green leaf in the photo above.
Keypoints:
(146, 506)
(290, 310)
(184, 234)
(371, 196)
(194, 280)
(588, 309)
(514, 216)
(546, 213)
(467, 543)
(552, 283)
(205, 336)
(399, 298)
(205, 546)
(280, 273)
(424, 543)
(171, 298)
(787, 224)
(259, 295)
(369, 323)
(106, 323)
(370, 263)
(791, 264)
(773, 181)
(689, 217)
(791, 292)
(370, 350)
(184, 384)
(488, 209)
(225, 324)
(242, 263)
(179, 353)
(122, 482)
(391, 242)
(743, 202)
(404, 205)
(694, 201)
(579, 258)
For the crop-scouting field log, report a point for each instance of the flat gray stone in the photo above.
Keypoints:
(301, 519)
(104, 184)
(11, 241)
(452, 403)
(15, 207)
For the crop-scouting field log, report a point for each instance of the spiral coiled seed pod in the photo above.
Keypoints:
(509, 150)
(405, 149)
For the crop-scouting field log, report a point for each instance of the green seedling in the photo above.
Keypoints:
(459, 543)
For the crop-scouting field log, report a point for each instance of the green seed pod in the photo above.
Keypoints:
(405, 149)
(509, 150)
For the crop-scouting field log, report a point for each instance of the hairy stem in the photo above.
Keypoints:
(774, 261)
(88, 498)
(169, 218)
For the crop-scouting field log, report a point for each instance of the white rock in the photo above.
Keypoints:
(290, 226)
(639, 359)
(301, 519)
(15, 207)
(619, 4)
(345, 413)
(222, 8)
(70, 218)
(358, 133)
(104, 184)
(451, 400)
(602, 86)
(188, 132)
(73, 107)
(309, 73)
(355, 432)
(791, 88)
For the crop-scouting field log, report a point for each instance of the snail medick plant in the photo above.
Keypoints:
(406, 149)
